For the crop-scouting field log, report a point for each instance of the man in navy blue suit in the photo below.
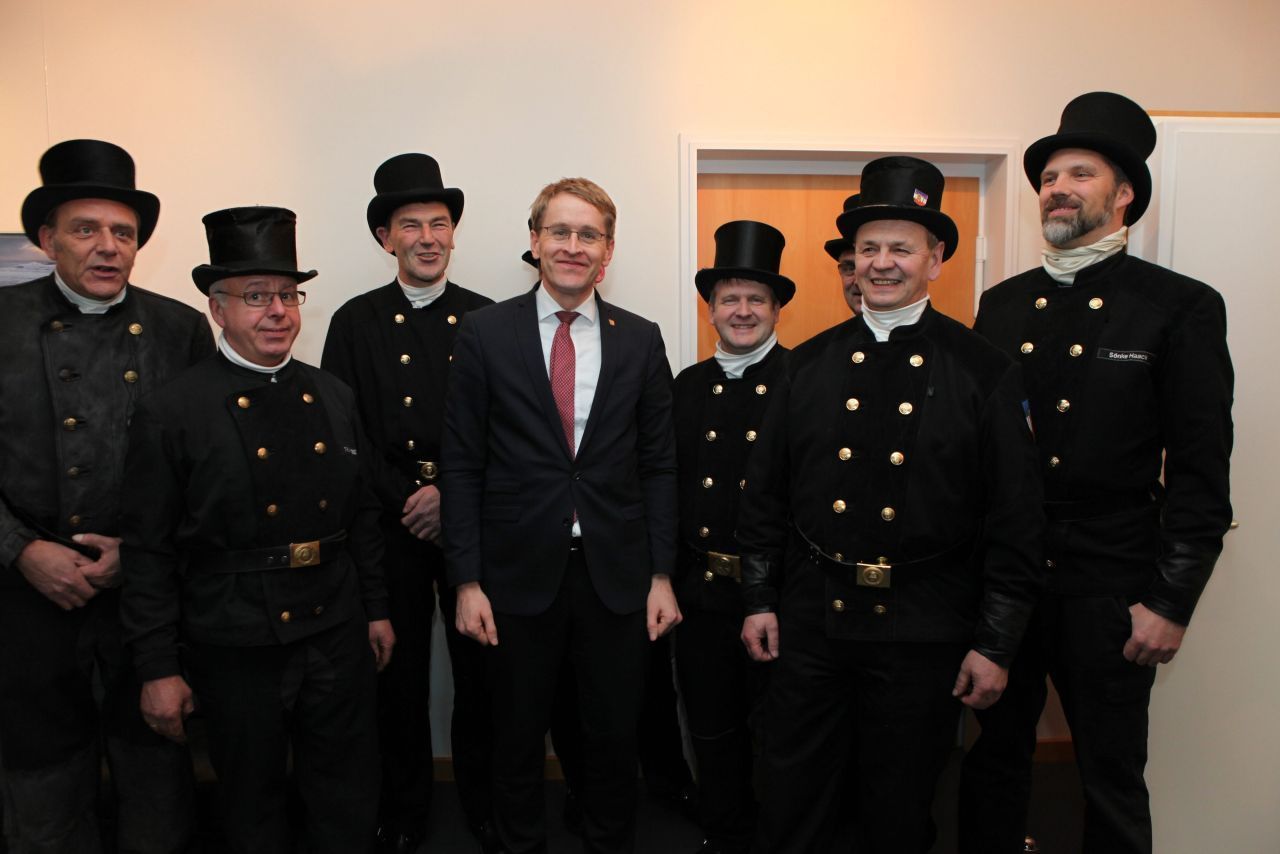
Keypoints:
(559, 463)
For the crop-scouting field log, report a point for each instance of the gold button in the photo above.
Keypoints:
(135, 328)
(1076, 350)
(711, 435)
(307, 398)
(708, 575)
(263, 453)
(1050, 563)
(404, 359)
(1042, 302)
(131, 376)
(408, 401)
(762, 388)
(1095, 303)
(751, 435)
(69, 423)
(858, 357)
(410, 445)
(56, 326)
(717, 388)
(75, 521)
(904, 408)
(1064, 405)
(916, 361)
(285, 616)
(707, 483)
(1027, 347)
(845, 454)
(429, 470)
(704, 532)
(318, 610)
(74, 471)
(896, 458)
(851, 404)
(888, 514)
(838, 505)
(399, 318)
(837, 605)
(837, 556)
(879, 610)
(742, 484)
(1054, 462)
(272, 509)
(320, 448)
(453, 319)
(324, 504)
(242, 402)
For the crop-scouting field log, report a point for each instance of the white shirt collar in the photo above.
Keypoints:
(547, 307)
(881, 323)
(735, 365)
(87, 305)
(225, 348)
(422, 297)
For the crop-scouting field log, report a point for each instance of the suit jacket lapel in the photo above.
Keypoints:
(529, 343)
(609, 346)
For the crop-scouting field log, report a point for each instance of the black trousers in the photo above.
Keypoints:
(858, 732)
(607, 652)
(723, 690)
(67, 691)
(1078, 641)
(314, 698)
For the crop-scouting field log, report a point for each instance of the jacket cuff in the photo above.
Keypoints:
(377, 609)
(1001, 627)
(759, 584)
(13, 544)
(1181, 575)
(158, 666)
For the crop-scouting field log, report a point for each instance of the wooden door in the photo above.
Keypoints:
(804, 209)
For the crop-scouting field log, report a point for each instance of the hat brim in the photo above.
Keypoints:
(937, 222)
(38, 203)
(206, 274)
(1135, 168)
(383, 205)
(705, 281)
(837, 247)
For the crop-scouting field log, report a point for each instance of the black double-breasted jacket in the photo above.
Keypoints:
(224, 462)
(1130, 382)
(68, 386)
(718, 422)
(915, 450)
(396, 359)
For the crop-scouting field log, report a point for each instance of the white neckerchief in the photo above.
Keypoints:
(87, 305)
(736, 364)
(422, 297)
(881, 323)
(1063, 264)
(225, 348)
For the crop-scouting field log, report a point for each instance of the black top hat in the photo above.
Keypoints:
(248, 241)
(747, 250)
(87, 169)
(408, 178)
(1111, 125)
(839, 246)
(901, 188)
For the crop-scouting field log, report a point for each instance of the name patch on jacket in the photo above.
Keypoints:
(1141, 357)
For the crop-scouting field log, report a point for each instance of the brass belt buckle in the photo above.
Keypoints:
(428, 470)
(729, 566)
(874, 574)
(304, 554)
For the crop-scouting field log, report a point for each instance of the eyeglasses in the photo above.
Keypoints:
(847, 268)
(586, 236)
(262, 299)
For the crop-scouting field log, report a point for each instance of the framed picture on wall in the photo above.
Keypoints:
(21, 260)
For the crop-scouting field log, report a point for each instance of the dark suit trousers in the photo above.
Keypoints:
(607, 651)
(1078, 641)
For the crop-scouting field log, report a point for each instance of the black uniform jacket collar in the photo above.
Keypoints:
(61, 304)
(247, 373)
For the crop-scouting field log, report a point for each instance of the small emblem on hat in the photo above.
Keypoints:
(920, 197)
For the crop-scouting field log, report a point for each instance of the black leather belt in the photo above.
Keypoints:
(878, 572)
(1106, 505)
(290, 556)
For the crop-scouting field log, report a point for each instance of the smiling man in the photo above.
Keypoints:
(888, 532)
(1130, 384)
(252, 557)
(719, 407)
(392, 346)
(77, 349)
(559, 467)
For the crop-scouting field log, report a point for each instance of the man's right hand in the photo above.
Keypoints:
(165, 704)
(475, 614)
(760, 635)
(55, 572)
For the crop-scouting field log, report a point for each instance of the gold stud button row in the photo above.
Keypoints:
(751, 435)
(408, 401)
(453, 319)
(707, 483)
(1095, 303)
(852, 404)
(708, 575)
(1064, 405)
(307, 398)
(1076, 350)
(1041, 302)
(263, 453)
(320, 448)
(717, 389)
(131, 376)
(837, 605)
(711, 435)
(57, 326)
(410, 445)
(916, 361)
(845, 454)
(905, 408)
(762, 388)
(704, 532)
(399, 318)
(896, 458)
(888, 514)
(69, 423)
(1054, 462)
(858, 357)
(272, 509)
(242, 402)
(405, 359)
(135, 328)
(1027, 347)
(838, 505)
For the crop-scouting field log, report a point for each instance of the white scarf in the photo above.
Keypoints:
(881, 323)
(1063, 264)
(235, 358)
(736, 364)
(87, 305)
(422, 297)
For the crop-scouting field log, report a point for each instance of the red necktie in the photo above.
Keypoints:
(563, 374)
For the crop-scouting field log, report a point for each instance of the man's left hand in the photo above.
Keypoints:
(980, 682)
(104, 572)
(1154, 640)
(382, 638)
(663, 614)
(422, 513)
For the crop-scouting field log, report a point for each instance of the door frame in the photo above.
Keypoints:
(994, 162)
